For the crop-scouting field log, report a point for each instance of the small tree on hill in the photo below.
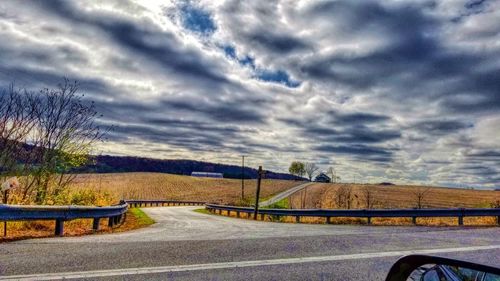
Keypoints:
(297, 168)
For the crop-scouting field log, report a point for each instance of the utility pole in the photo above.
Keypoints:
(5, 196)
(242, 177)
(257, 194)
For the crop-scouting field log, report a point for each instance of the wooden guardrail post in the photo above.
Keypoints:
(328, 220)
(95, 224)
(111, 222)
(414, 220)
(297, 219)
(257, 194)
(59, 227)
(369, 220)
(461, 217)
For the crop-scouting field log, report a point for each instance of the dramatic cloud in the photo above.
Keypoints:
(402, 91)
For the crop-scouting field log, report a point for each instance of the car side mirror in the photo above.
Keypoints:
(428, 268)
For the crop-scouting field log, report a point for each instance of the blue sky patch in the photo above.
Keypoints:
(197, 20)
(230, 51)
(279, 76)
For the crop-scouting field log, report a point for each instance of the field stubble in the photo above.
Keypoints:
(324, 196)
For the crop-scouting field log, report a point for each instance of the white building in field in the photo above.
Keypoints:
(206, 175)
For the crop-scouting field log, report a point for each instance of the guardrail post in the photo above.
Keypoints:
(95, 224)
(111, 222)
(328, 220)
(238, 214)
(59, 227)
(498, 220)
(297, 219)
(414, 220)
(461, 217)
(369, 220)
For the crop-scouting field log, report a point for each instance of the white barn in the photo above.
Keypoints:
(206, 175)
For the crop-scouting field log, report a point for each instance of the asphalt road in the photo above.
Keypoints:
(186, 245)
(284, 194)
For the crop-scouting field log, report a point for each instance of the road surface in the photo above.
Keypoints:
(284, 194)
(187, 245)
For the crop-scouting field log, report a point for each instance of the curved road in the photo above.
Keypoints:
(285, 194)
(187, 245)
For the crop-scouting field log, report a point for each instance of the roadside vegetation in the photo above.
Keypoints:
(135, 218)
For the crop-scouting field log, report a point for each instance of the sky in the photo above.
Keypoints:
(399, 91)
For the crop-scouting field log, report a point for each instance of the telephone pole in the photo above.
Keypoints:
(242, 177)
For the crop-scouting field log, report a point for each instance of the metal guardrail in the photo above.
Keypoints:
(60, 214)
(369, 214)
(151, 203)
(115, 214)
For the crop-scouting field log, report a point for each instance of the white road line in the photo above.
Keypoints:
(229, 265)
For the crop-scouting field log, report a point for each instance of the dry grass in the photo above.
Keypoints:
(176, 187)
(39, 229)
(396, 196)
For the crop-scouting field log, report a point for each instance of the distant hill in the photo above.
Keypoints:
(118, 164)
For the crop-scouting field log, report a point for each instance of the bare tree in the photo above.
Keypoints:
(333, 174)
(44, 135)
(310, 168)
(17, 120)
(64, 134)
(419, 195)
(368, 197)
(344, 197)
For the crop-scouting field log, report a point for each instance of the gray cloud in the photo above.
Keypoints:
(401, 91)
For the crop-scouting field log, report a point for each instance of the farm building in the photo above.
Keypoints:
(206, 175)
(322, 178)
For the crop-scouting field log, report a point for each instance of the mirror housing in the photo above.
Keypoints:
(405, 266)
